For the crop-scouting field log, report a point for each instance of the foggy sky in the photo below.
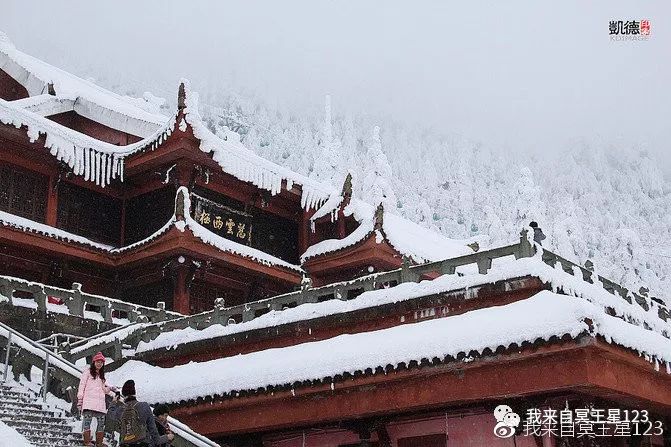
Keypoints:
(519, 74)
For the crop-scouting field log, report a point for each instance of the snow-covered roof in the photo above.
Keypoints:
(102, 162)
(123, 113)
(502, 269)
(544, 316)
(93, 101)
(96, 160)
(235, 159)
(407, 237)
(27, 225)
(45, 105)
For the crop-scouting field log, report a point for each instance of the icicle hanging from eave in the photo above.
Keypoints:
(87, 164)
(115, 166)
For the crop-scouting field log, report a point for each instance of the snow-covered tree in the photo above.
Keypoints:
(598, 201)
(328, 166)
(377, 175)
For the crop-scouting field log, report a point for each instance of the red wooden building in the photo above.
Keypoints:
(341, 325)
(88, 182)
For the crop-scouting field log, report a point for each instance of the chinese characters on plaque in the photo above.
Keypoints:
(222, 220)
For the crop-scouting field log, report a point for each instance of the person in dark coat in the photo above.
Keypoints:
(538, 233)
(161, 413)
(145, 415)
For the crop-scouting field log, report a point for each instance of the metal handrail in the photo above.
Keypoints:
(69, 369)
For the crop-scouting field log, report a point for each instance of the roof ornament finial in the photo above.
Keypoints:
(379, 217)
(181, 205)
(50, 89)
(347, 186)
(346, 193)
(181, 97)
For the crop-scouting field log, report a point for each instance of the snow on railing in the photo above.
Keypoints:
(350, 289)
(78, 303)
(55, 367)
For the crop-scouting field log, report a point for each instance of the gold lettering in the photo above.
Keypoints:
(229, 226)
(204, 218)
(218, 223)
(241, 231)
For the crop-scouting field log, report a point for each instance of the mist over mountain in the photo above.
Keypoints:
(514, 112)
(600, 200)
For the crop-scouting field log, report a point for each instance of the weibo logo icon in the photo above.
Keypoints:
(506, 421)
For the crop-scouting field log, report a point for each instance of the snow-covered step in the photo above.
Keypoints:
(42, 424)
(40, 427)
(31, 418)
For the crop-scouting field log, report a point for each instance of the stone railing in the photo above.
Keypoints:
(80, 303)
(351, 289)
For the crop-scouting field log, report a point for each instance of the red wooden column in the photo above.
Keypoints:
(182, 271)
(181, 296)
(304, 232)
(52, 202)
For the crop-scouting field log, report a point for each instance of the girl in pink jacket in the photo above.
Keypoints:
(91, 399)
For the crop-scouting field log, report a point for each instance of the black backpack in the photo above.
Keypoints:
(131, 428)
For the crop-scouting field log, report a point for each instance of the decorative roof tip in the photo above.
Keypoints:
(347, 186)
(379, 217)
(181, 203)
(181, 95)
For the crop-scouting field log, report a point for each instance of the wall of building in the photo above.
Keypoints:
(466, 431)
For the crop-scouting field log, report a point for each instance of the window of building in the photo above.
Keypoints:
(146, 213)
(89, 214)
(23, 192)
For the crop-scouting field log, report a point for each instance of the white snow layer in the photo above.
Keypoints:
(27, 225)
(30, 226)
(11, 437)
(408, 238)
(235, 159)
(540, 317)
(35, 75)
(529, 267)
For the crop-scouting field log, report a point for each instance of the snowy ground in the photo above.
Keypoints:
(11, 438)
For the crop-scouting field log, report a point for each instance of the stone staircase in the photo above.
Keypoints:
(39, 422)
